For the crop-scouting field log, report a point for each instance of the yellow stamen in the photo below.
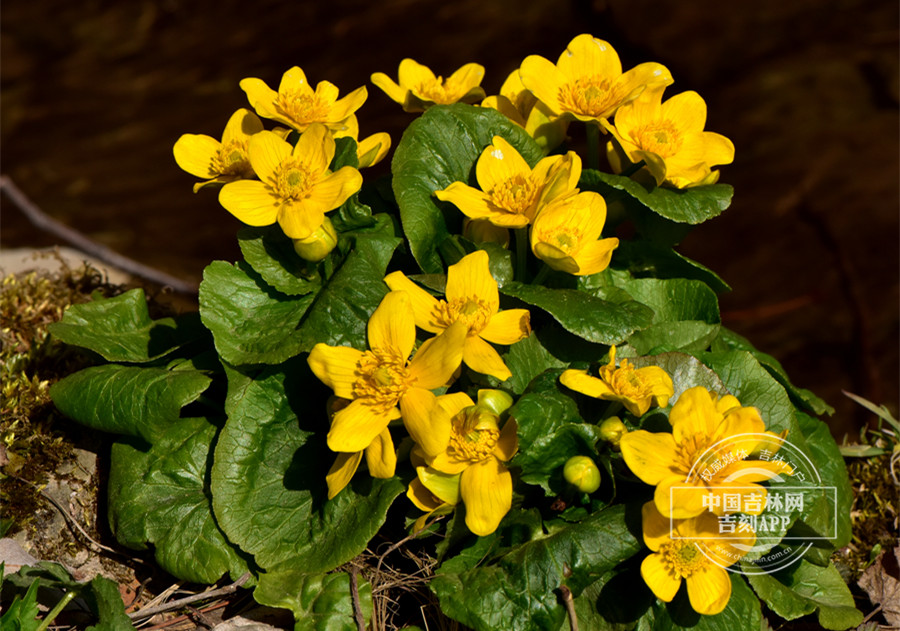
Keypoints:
(683, 557)
(382, 378)
(473, 436)
(303, 109)
(588, 96)
(232, 159)
(515, 195)
(473, 311)
(660, 137)
(293, 180)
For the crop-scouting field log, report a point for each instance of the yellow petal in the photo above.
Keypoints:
(438, 358)
(544, 80)
(486, 490)
(381, 458)
(655, 528)
(336, 188)
(260, 96)
(687, 110)
(336, 367)
(250, 201)
(267, 151)
(445, 487)
(294, 80)
(412, 73)
(587, 56)
(424, 305)
(392, 327)
(742, 421)
(389, 87)
(651, 457)
(506, 107)
(508, 441)
(632, 83)
(466, 77)
(194, 153)
(498, 163)
(346, 106)
(341, 472)
(372, 149)
(427, 422)
(595, 256)
(470, 201)
(455, 402)
(315, 148)
(662, 581)
(709, 589)
(421, 497)
(694, 414)
(507, 327)
(471, 278)
(581, 381)
(242, 124)
(677, 497)
(482, 358)
(356, 426)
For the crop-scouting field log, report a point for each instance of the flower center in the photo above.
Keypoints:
(473, 436)
(302, 109)
(437, 91)
(625, 381)
(473, 311)
(515, 195)
(566, 238)
(660, 137)
(689, 450)
(382, 378)
(683, 557)
(231, 159)
(293, 180)
(589, 96)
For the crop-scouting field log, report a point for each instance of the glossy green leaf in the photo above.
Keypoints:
(683, 335)
(271, 255)
(251, 322)
(22, 613)
(120, 329)
(527, 359)
(805, 588)
(586, 316)
(646, 259)
(104, 598)
(437, 149)
(319, 602)
(160, 496)
(686, 372)
(130, 400)
(742, 613)
(519, 591)
(675, 299)
(690, 205)
(268, 476)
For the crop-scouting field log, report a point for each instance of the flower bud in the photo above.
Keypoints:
(612, 430)
(496, 401)
(582, 473)
(316, 246)
(483, 231)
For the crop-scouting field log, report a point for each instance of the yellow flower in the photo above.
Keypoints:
(317, 246)
(565, 235)
(683, 459)
(298, 106)
(685, 551)
(522, 107)
(219, 162)
(381, 457)
(474, 459)
(379, 380)
(512, 193)
(636, 389)
(419, 89)
(474, 301)
(669, 138)
(296, 187)
(372, 149)
(587, 82)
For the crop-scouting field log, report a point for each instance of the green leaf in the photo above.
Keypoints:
(271, 255)
(519, 592)
(104, 598)
(805, 399)
(551, 431)
(268, 476)
(128, 400)
(344, 154)
(437, 149)
(320, 602)
(647, 259)
(691, 205)
(160, 496)
(527, 359)
(584, 315)
(685, 335)
(251, 323)
(22, 613)
(742, 613)
(120, 329)
(805, 588)
(676, 299)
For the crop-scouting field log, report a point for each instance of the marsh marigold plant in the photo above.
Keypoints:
(458, 379)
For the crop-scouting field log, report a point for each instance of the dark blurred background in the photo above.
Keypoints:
(95, 93)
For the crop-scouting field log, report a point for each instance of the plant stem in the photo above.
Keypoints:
(634, 168)
(593, 142)
(521, 253)
(541, 275)
(65, 600)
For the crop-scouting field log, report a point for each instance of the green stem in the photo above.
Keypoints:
(541, 275)
(634, 168)
(521, 253)
(65, 600)
(593, 142)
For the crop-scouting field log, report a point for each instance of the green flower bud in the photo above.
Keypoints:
(496, 401)
(612, 430)
(582, 473)
(316, 246)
